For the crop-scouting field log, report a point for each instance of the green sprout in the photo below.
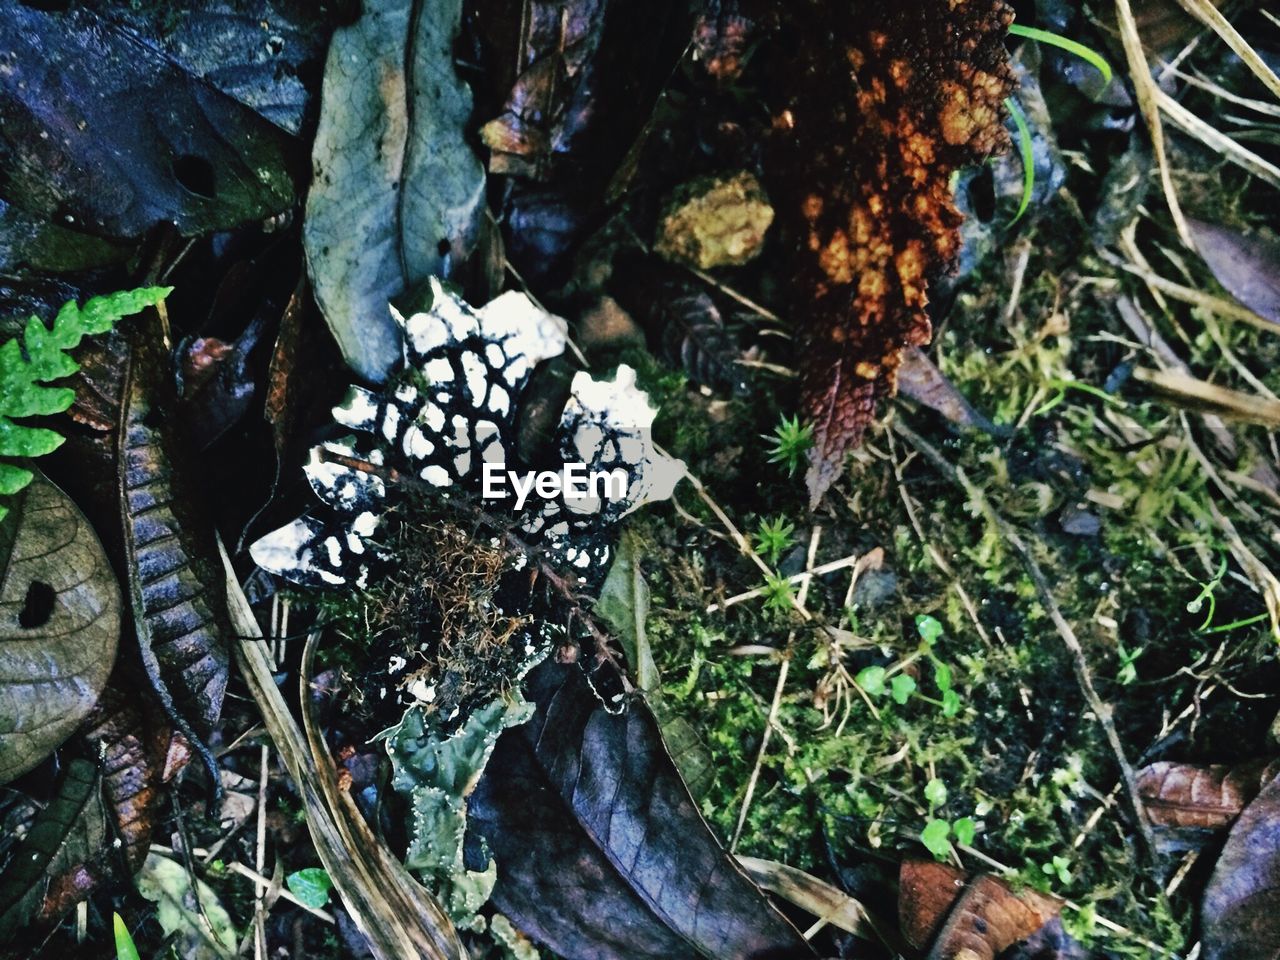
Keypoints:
(1025, 151)
(773, 538)
(1128, 672)
(1057, 867)
(1087, 54)
(125, 948)
(791, 441)
(777, 593)
(1208, 589)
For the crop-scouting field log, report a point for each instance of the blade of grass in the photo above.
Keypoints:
(1087, 54)
(1027, 153)
(125, 949)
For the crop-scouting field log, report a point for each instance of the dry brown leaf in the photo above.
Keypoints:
(1184, 795)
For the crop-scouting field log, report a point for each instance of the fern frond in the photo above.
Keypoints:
(39, 356)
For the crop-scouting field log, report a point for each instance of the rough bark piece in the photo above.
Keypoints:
(878, 106)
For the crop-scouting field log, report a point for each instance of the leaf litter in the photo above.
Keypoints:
(1023, 621)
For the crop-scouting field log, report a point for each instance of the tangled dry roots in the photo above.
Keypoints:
(440, 609)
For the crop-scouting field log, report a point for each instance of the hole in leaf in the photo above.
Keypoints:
(443, 248)
(37, 608)
(195, 174)
(982, 195)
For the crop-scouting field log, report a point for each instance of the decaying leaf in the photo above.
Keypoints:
(397, 194)
(923, 382)
(43, 877)
(1185, 795)
(694, 336)
(266, 54)
(988, 918)
(61, 626)
(98, 132)
(1240, 913)
(966, 918)
(177, 598)
(601, 852)
(878, 107)
(926, 891)
(203, 927)
(140, 753)
(1246, 263)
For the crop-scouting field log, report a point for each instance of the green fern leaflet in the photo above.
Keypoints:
(40, 356)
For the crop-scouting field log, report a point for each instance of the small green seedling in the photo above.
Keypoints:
(791, 441)
(125, 948)
(1057, 867)
(937, 832)
(1208, 591)
(773, 539)
(1128, 672)
(311, 886)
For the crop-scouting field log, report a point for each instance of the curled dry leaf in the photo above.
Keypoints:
(989, 918)
(926, 891)
(1184, 795)
(1240, 913)
(966, 918)
(860, 171)
(175, 591)
(60, 609)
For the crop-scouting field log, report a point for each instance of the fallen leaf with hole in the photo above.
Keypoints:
(61, 628)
